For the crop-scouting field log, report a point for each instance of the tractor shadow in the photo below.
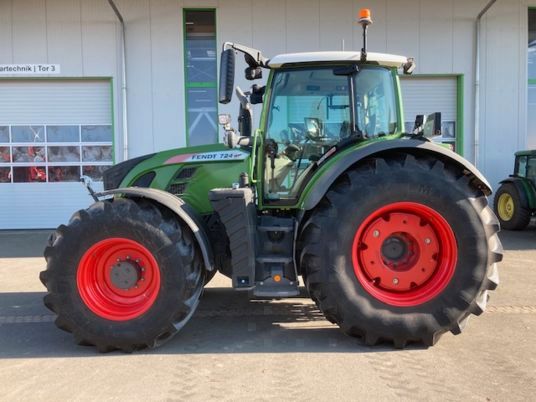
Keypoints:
(23, 243)
(226, 321)
(519, 240)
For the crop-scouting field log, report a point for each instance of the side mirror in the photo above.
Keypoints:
(428, 126)
(313, 128)
(227, 73)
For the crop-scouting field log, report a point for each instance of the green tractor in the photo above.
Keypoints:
(391, 234)
(515, 200)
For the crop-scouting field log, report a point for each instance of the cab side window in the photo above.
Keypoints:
(521, 169)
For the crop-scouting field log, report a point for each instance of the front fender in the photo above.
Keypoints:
(421, 147)
(183, 211)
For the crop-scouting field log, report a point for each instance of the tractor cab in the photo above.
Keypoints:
(525, 165)
(314, 105)
(313, 110)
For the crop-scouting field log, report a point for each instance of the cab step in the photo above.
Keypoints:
(262, 247)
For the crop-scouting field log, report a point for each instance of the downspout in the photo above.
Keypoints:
(477, 81)
(124, 101)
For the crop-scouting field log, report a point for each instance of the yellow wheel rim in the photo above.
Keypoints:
(506, 207)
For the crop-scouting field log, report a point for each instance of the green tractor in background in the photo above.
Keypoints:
(515, 200)
(391, 234)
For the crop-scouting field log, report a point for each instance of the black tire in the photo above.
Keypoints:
(168, 240)
(326, 242)
(521, 215)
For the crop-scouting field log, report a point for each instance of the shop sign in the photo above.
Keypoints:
(29, 69)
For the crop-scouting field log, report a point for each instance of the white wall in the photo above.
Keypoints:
(503, 117)
(83, 36)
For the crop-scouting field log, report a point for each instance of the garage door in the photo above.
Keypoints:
(425, 95)
(51, 132)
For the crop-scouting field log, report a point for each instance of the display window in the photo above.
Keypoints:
(54, 153)
(4, 134)
(63, 173)
(5, 175)
(29, 174)
(64, 154)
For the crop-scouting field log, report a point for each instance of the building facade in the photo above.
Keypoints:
(63, 109)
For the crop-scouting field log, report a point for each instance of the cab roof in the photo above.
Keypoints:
(526, 153)
(383, 59)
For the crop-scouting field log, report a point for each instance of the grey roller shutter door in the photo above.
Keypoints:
(55, 102)
(425, 95)
(32, 205)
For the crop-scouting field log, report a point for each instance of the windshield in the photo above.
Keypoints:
(310, 111)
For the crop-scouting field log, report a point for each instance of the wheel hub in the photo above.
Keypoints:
(394, 249)
(404, 253)
(506, 207)
(125, 274)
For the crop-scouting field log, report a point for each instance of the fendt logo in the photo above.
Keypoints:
(217, 156)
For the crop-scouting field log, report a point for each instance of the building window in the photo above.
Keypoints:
(200, 76)
(531, 112)
(54, 153)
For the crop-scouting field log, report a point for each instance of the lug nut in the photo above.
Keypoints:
(376, 233)
(395, 281)
(427, 241)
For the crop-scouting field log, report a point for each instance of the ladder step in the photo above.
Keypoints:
(269, 288)
(275, 228)
(276, 259)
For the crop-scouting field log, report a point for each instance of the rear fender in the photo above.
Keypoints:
(183, 211)
(412, 146)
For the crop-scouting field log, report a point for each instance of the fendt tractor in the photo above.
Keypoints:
(391, 234)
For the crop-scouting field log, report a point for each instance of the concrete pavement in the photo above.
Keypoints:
(236, 349)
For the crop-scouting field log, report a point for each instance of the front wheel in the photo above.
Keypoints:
(401, 249)
(122, 275)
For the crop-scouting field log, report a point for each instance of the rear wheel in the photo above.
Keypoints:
(122, 275)
(414, 252)
(512, 214)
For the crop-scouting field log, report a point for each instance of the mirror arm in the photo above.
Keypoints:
(256, 59)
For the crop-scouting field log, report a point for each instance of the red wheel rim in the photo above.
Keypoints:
(118, 279)
(404, 254)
